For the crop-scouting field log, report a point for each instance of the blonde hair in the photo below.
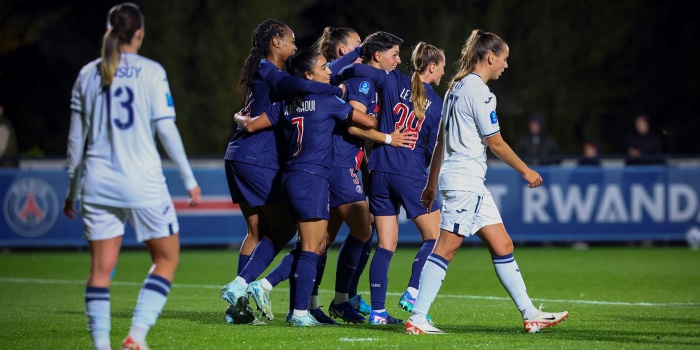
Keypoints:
(478, 45)
(422, 57)
(123, 21)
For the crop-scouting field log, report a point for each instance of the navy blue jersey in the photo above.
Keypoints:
(347, 148)
(363, 90)
(306, 127)
(341, 62)
(396, 112)
(270, 85)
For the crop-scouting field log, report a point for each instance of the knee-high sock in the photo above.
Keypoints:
(509, 274)
(362, 263)
(304, 276)
(263, 255)
(419, 261)
(320, 269)
(97, 306)
(150, 303)
(285, 268)
(431, 280)
(242, 260)
(379, 277)
(348, 259)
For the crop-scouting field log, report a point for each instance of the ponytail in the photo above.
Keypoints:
(422, 57)
(123, 21)
(110, 57)
(478, 45)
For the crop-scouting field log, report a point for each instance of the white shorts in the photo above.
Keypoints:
(104, 222)
(465, 213)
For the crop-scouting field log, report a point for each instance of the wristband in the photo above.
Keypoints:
(387, 140)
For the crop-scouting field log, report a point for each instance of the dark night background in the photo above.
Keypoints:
(587, 67)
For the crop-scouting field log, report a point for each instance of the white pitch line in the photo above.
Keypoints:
(452, 296)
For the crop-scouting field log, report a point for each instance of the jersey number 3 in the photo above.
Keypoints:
(125, 96)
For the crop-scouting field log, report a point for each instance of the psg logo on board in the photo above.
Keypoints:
(30, 207)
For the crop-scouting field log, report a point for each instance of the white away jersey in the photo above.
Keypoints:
(469, 116)
(121, 163)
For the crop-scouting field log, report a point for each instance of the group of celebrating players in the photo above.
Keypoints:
(337, 136)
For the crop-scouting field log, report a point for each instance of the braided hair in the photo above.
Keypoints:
(262, 36)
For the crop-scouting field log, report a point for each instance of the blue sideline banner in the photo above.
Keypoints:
(592, 204)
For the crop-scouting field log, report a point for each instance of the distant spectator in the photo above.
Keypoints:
(8, 142)
(537, 148)
(642, 146)
(589, 156)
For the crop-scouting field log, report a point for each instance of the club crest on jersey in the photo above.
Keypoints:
(30, 207)
(494, 118)
(364, 87)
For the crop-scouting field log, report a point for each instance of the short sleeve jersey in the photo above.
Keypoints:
(469, 117)
(396, 112)
(122, 166)
(346, 147)
(306, 127)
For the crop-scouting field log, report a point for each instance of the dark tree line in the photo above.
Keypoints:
(587, 67)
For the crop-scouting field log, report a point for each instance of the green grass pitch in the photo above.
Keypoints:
(617, 297)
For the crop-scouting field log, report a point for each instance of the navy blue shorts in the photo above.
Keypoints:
(252, 184)
(307, 195)
(389, 192)
(345, 186)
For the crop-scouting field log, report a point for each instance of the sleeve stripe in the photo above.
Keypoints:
(162, 118)
(493, 133)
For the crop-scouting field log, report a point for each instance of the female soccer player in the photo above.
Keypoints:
(307, 125)
(347, 203)
(119, 102)
(410, 103)
(350, 154)
(458, 167)
(252, 164)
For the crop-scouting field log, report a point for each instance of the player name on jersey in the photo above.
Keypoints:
(300, 107)
(124, 72)
(406, 95)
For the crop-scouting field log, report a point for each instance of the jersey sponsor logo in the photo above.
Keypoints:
(364, 87)
(169, 99)
(489, 100)
(494, 118)
(30, 207)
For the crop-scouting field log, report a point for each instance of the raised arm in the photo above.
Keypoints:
(344, 60)
(286, 84)
(361, 70)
